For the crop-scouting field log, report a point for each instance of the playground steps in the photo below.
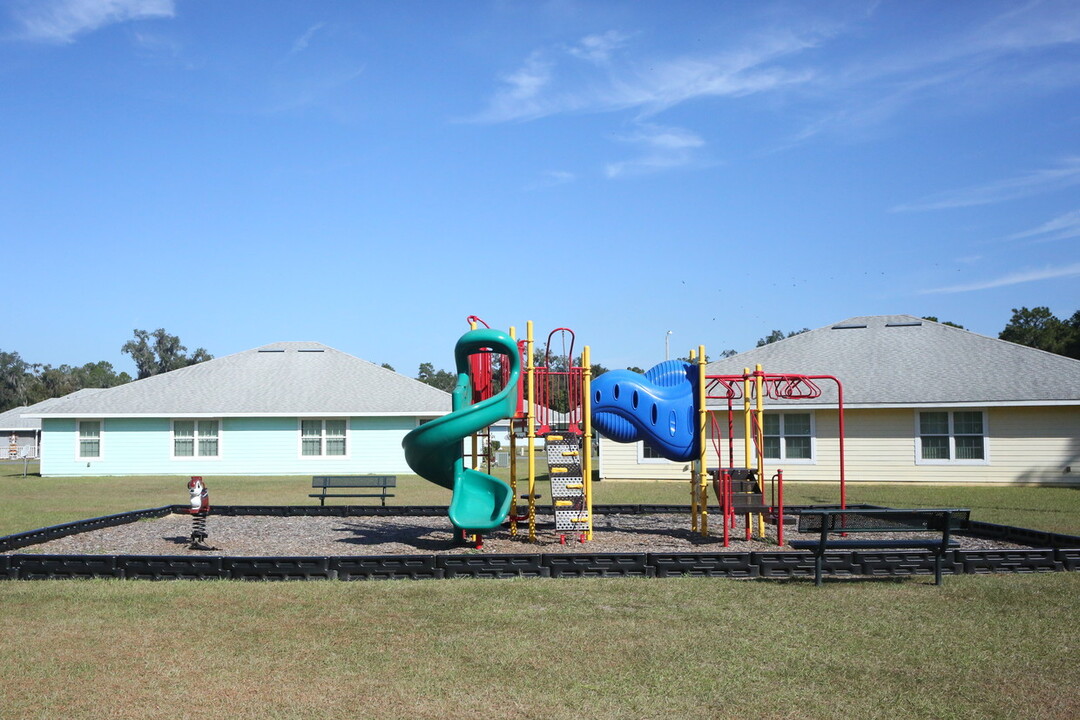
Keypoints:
(564, 459)
(746, 497)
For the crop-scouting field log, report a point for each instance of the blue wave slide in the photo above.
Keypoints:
(659, 407)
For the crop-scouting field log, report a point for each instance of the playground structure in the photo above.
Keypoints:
(499, 378)
(667, 408)
(558, 402)
(741, 490)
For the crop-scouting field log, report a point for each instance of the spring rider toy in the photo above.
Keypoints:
(200, 508)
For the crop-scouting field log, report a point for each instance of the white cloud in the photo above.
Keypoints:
(599, 48)
(61, 21)
(1065, 174)
(1012, 279)
(1063, 227)
(1009, 55)
(538, 88)
(664, 148)
(301, 43)
(1029, 26)
(520, 97)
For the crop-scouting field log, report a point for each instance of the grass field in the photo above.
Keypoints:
(996, 646)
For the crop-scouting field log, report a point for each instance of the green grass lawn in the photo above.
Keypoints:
(995, 646)
(977, 647)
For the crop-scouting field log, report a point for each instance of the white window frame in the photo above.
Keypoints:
(322, 438)
(643, 460)
(195, 439)
(952, 459)
(812, 460)
(100, 438)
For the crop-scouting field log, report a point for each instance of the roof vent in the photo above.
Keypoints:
(913, 323)
(849, 327)
(309, 350)
(272, 350)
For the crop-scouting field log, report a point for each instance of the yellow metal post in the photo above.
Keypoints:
(586, 411)
(747, 432)
(530, 375)
(702, 420)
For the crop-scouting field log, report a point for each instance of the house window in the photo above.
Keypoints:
(952, 436)
(322, 438)
(195, 438)
(646, 454)
(89, 438)
(788, 436)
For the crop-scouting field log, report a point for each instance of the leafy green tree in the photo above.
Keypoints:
(388, 366)
(1040, 328)
(1072, 344)
(776, 335)
(24, 384)
(931, 318)
(15, 381)
(100, 375)
(441, 379)
(159, 352)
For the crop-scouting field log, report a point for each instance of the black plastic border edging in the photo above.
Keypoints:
(1057, 552)
(33, 537)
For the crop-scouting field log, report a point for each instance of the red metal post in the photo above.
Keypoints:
(725, 501)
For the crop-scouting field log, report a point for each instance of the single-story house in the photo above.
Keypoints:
(19, 435)
(923, 402)
(20, 430)
(289, 408)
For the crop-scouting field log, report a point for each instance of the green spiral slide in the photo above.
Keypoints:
(434, 450)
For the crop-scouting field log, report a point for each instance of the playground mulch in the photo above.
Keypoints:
(245, 536)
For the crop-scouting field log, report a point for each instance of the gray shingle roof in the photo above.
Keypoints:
(286, 378)
(895, 360)
(13, 419)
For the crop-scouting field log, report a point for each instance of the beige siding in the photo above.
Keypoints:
(620, 460)
(1024, 445)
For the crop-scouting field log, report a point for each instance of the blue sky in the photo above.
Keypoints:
(368, 174)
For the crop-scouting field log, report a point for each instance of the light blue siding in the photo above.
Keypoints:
(246, 446)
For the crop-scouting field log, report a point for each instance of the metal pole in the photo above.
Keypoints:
(530, 375)
(703, 420)
(586, 411)
(667, 346)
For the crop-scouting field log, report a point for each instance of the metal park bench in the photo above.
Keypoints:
(934, 525)
(334, 482)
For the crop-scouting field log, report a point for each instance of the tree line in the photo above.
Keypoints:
(23, 383)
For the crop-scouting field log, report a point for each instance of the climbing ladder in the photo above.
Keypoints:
(566, 470)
